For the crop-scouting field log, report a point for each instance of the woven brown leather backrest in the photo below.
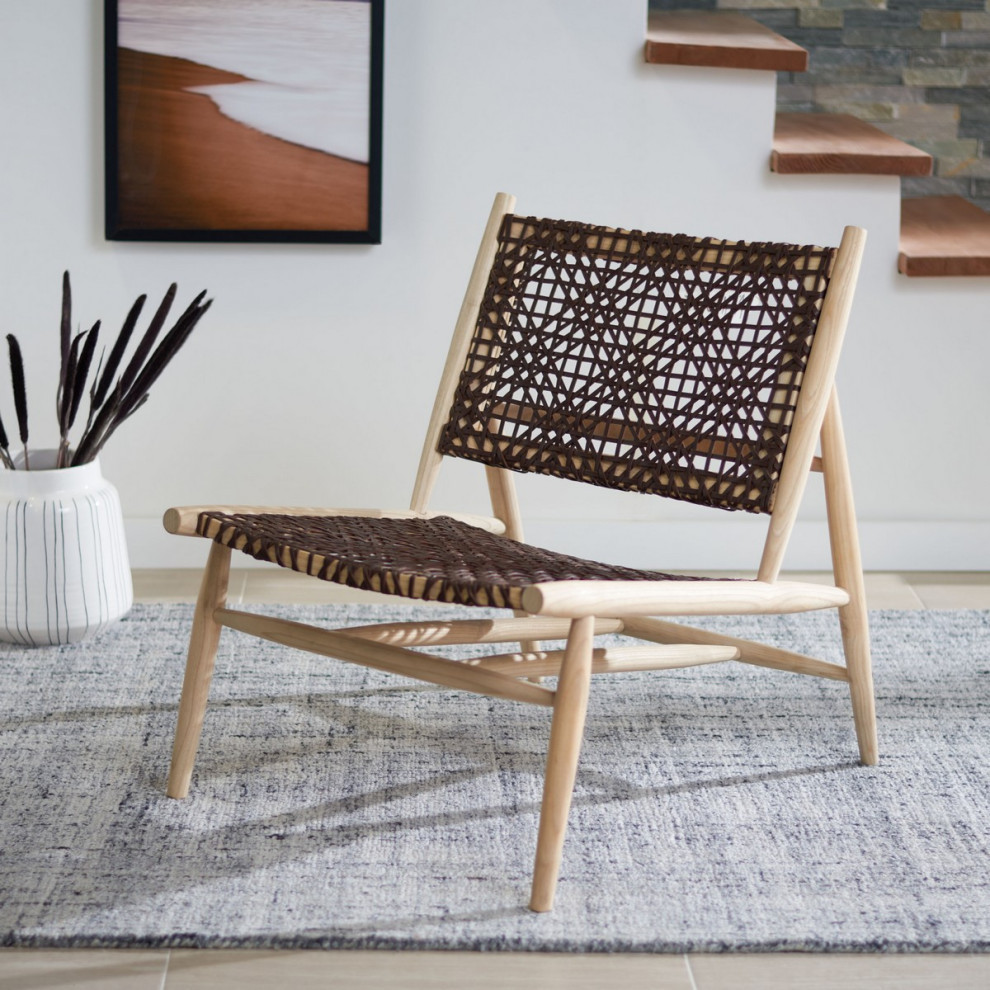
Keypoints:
(643, 362)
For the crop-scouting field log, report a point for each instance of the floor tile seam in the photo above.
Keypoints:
(693, 983)
(164, 981)
(914, 591)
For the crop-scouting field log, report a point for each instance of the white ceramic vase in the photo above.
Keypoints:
(65, 570)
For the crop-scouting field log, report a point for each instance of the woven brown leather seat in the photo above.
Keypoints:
(436, 560)
(665, 365)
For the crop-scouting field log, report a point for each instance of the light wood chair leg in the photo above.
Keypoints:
(199, 669)
(856, 642)
(567, 728)
(505, 506)
(848, 568)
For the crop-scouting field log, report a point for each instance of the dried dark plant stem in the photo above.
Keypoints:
(131, 390)
(65, 332)
(75, 372)
(113, 399)
(147, 341)
(20, 392)
(105, 375)
(5, 458)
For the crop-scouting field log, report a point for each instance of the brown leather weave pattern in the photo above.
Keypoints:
(438, 559)
(643, 362)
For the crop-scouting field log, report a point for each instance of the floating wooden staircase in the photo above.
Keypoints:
(941, 235)
(721, 39)
(820, 143)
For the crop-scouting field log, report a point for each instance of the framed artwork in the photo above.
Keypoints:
(244, 120)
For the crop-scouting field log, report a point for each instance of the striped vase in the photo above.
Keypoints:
(65, 569)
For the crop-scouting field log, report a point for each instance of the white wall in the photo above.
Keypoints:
(312, 356)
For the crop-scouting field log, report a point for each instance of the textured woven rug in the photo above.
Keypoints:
(717, 808)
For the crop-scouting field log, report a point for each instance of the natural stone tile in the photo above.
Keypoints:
(951, 4)
(872, 94)
(974, 122)
(855, 4)
(953, 149)
(910, 133)
(941, 20)
(865, 111)
(887, 19)
(809, 17)
(795, 94)
(935, 77)
(777, 20)
(920, 122)
(919, 69)
(843, 59)
(972, 169)
(978, 96)
(949, 56)
(903, 38)
(812, 38)
(961, 157)
(858, 77)
(933, 186)
(928, 114)
(952, 158)
(764, 4)
(966, 39)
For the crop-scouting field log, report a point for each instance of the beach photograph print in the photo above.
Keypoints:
(243, 120)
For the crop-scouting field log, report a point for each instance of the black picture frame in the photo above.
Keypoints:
(173, 172)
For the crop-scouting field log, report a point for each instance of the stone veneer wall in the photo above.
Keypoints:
(917, 69)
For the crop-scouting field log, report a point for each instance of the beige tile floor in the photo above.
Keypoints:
(24, 969)
(898, 590)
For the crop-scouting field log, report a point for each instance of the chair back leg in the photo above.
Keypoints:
(566, 730)
(505, 506)
(848, 570)
(199, 669)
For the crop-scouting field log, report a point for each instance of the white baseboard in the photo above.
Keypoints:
(675, 546)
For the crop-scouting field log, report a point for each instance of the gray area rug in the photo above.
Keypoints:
(717, 808)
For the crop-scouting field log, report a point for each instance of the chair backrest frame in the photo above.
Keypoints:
(431, 458)
(804, 427)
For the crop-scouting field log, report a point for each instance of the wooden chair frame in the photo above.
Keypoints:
(577, 611)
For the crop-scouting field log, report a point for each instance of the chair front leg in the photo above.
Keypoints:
(856, 643)
(199, 669)
(566, 730)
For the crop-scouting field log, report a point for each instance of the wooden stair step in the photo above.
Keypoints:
(722, 39)
(943, 235)
(821, 143)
